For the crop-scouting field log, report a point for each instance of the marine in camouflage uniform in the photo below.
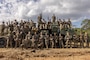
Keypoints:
(41, 41)
(7, 45)
(81, 37)
(53, 18)
(46, 26)
(67, 38)
(75, 39)
(22, 36)
(55, 40)
(69, 23)
(33, 42)
(2, 28)
(17, 39)
(11, 27)
(26, 42)
(86, 38)
(29, 37)
(36, 40)
(64, 24)
(51, 41)
(41, 26)
(39, 21)
(60, 24)
(61, 41)
(46, 40)
(7, 27)
(9, 40)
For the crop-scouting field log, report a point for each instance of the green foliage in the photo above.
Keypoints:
(86, 24)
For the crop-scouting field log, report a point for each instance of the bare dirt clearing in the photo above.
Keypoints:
(45, 54)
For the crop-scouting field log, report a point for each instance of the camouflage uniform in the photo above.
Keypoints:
(10, 40)
(27, 41)
(40, 21)
(61, 25)
(17, 40)
(29, 38)
(64, 24)
(51, 41)
(24, 43)
(11, 27)
(7, 26)
(33, 42)
(16, 28)
(21, 24)
(55, 40)
(46, 26)
(81, 40)
(7, 45)
(15, 22)
(36, 40)
(41, 26)
(53, 18)
(2, 28)
(22, 36)
(41, 41)
(75, 39)
(46, 40)
(69, 23)
(61, 41)
(67, 38)
(86, 38)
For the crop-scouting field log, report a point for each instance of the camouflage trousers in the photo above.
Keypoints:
(2, 32)
(51, 43)
(61, 45)
(9, 43)
(36, 44)
(46, 43)
(40, 44)
(87, 43)
(81, 43)
(68, 42)
(26, 44)
(55, 43)
(75, 43)
(23, 44)
(32, 44)
(17, 43)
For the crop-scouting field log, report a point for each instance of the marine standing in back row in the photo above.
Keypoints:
(2, 28)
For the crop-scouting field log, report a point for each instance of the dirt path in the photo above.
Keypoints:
(50, 54)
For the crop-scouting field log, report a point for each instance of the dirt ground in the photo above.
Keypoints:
(45, 54)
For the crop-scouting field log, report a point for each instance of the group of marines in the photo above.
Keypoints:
(24, 34)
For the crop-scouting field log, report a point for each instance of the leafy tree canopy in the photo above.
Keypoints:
(86, 24)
